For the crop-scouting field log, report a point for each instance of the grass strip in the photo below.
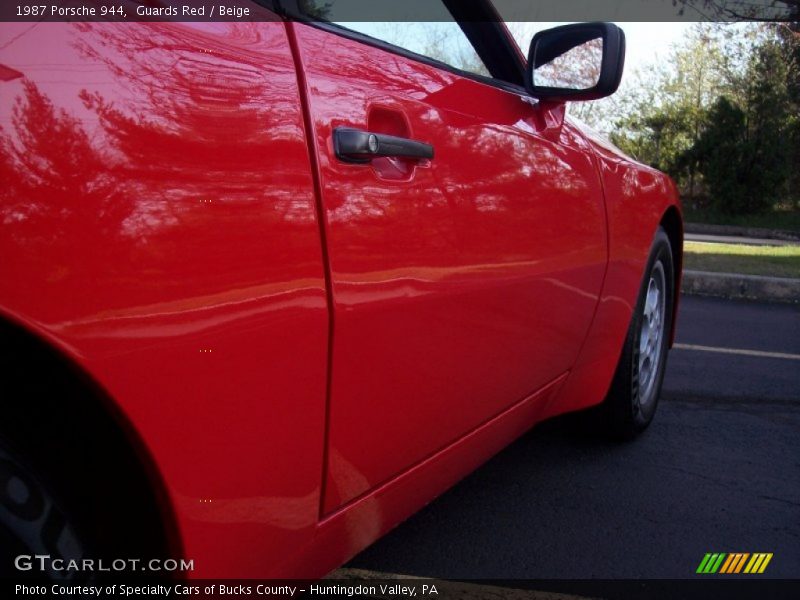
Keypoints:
(772, 261)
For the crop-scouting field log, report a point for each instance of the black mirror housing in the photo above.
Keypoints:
(550, 44)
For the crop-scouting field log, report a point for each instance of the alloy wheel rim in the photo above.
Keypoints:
(651, 334)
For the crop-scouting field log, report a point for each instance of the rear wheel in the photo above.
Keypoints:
(33, 522)
(636, 388)
(72, 484)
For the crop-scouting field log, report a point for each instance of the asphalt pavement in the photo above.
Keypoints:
(717, 471)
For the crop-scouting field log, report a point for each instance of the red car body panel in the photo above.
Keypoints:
(306, 350)
(179, 265)
(638, 198)
(460, 287)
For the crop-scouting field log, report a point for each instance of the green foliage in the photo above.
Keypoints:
(724, 120)
(783, 217)
(742, 151)
(721, 150)
(789, 37)
(664, 123)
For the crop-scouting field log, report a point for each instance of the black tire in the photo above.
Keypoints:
(71, 484)
(635, 390)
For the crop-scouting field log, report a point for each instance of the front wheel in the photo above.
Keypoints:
(635, 390)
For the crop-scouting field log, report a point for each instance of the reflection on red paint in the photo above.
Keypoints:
(160, 227)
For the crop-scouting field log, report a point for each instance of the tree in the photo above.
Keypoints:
(768, 126)
(788, 35)
(720, 151)
(740, 152)
(665, 118)
(742, 10)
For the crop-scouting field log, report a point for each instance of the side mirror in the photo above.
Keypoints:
(576, 62)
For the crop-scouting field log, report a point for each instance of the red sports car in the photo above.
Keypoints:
(267, 287)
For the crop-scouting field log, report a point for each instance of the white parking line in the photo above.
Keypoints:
(447, 590)
(739, 351)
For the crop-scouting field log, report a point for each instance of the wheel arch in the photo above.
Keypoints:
(672, 222)
(74, 429)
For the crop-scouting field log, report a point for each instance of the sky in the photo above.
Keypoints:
(645, 42)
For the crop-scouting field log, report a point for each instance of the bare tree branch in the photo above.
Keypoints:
(768, 11)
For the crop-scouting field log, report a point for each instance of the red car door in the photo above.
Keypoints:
(461, 284)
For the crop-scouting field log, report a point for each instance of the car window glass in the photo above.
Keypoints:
(439, 37)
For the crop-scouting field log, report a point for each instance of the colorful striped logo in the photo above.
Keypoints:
(736, 562)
